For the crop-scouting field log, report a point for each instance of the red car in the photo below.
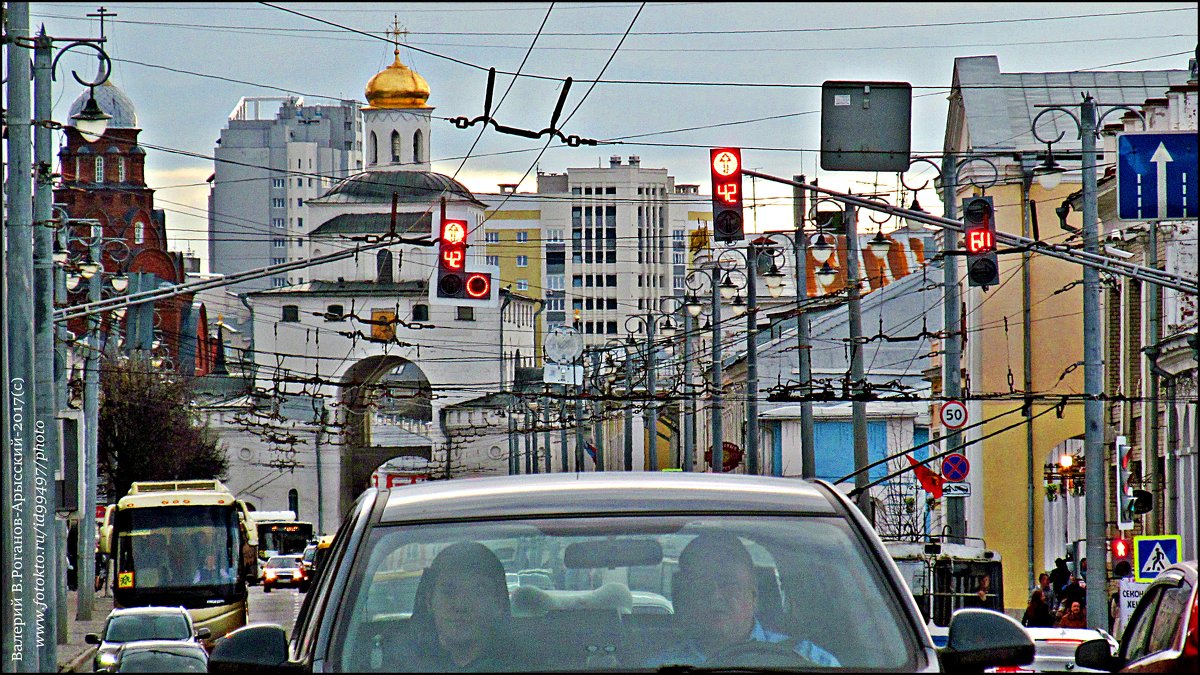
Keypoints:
(1161, 636)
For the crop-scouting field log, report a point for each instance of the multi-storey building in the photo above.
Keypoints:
(274, 155)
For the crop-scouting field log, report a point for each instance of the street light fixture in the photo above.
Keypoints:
(821, 248)
(1050, 173)
(120, 283)
(826, 275)
(738, 305)
(91, 121)
(88, 269)
(879, 244)
(694, 308)
(774, 280)
(728, 288)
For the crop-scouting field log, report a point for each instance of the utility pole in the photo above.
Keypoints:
(562, 428)
(689, 412)
(46, 450)
(1150, 454)
(808, 462)
(652, 401)
(752, 464)
(956, 519)
(1027, 208)
(546, 432)
(1093, 375)
(86, 595)
(858, 408)
(718, 432)
(629, 407)
(598, 420)
(579, 419)
(19, 472)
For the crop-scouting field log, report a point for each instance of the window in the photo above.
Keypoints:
(299, 201)
(610, 257)
(465, 313)
(491, 260)
(577, 281)
(278, 261)
(99, 169)
(299, 241)
(383, 267)
(120, 170)
(395, 147)
(522, 284)
(420, 313)
(276, 182)
(276, 282)
(522, 261)
(1170, 618)
(417, 144)
(335, 313)
(610, 190)
(492, 238)
(279, 242)
(610, 280)
(310, 182)
(373, 149)
(278, 222)
(611, 302)
(278, 203)
(299, 182)
(522, 236)
(291, 313)
(299, 222)
(611, 327)
(677, 258)
(77, 168)
(139, 232)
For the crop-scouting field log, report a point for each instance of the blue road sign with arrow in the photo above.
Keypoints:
(1154, 553)
(1157, 176)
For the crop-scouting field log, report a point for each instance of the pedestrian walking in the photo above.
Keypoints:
(1037, 614)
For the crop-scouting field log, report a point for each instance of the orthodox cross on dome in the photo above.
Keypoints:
(102, 13)
(396, 32)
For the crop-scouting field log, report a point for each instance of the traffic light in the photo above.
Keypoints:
(1124, 493)
(453, 280)
(979, 229)
(726, 165)
(1122, 558)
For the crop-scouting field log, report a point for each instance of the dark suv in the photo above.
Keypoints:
(753, 573)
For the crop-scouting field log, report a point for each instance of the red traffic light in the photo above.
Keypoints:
(454, 232)
(980, 241)
(1120, 548)
(726, 169)
(479, 285)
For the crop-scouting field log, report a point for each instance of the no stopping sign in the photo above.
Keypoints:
(953, 414)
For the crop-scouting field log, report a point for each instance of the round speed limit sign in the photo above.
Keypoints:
(953, 414)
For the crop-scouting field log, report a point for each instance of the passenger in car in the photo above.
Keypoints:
(715, 598)
(461, 613)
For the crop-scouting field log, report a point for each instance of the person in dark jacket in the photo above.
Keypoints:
(1074, 618)
(1060, 576)
(1037, 614)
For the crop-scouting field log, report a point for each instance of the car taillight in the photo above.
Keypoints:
(1010, 669)
(1063, 641)
(1190, 649)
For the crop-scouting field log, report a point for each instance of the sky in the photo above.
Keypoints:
(186, 65)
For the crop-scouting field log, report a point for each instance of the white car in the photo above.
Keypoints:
(1055, 650)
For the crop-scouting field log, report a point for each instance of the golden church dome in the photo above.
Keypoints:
(397, 86)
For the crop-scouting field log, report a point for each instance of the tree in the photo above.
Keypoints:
(150, 430)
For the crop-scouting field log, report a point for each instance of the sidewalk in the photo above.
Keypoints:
(76, 655)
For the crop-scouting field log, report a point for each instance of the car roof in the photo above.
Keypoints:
(602, 492)
(1063, 633)
(123, 611)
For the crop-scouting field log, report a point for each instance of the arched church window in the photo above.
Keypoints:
(396, 147)
(383, 267)
(417, 147)
(373, 149)
(99, 169)
(139, 232)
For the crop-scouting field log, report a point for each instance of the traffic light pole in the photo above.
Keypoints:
(858, 407)
(808, 462)
(956, 520)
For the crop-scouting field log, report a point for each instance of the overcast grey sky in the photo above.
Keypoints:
(670, 44)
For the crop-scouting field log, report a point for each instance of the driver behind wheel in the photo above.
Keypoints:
(715, 597)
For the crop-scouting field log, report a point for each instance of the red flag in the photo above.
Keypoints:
(930, 481)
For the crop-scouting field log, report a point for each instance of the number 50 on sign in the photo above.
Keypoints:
(953, 414)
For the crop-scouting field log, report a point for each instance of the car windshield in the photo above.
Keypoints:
(621, 593)
(129, 627)
(157, 661)
(282, 563)
(310, 553)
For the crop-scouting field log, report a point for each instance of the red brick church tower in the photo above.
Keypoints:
(104, 179)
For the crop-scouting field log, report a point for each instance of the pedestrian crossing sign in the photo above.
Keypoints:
(1153, 554)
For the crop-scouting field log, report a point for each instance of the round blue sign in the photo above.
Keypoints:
(955, 468)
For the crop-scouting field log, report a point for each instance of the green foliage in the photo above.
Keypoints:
(149, 429)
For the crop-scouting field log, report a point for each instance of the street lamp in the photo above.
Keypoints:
(1050, 173)
(826, 275)
(1088, 123)
(91, 121)
(821, 249)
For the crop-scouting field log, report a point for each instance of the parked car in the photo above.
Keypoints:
(160, 656)
(135, 624)
(825, 590)
(1056, 650)
(283, 570)
(307, 562)
(1161, 635)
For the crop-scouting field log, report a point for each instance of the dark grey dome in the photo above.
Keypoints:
(377, 187)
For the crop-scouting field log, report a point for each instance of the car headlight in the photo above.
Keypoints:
(108, 659)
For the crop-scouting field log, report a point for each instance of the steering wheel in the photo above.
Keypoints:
(756, 654)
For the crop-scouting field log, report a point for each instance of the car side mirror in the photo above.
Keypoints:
(250, 649)
(203, 633)
(981, 638)
(92, 638)
(1097, 655)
